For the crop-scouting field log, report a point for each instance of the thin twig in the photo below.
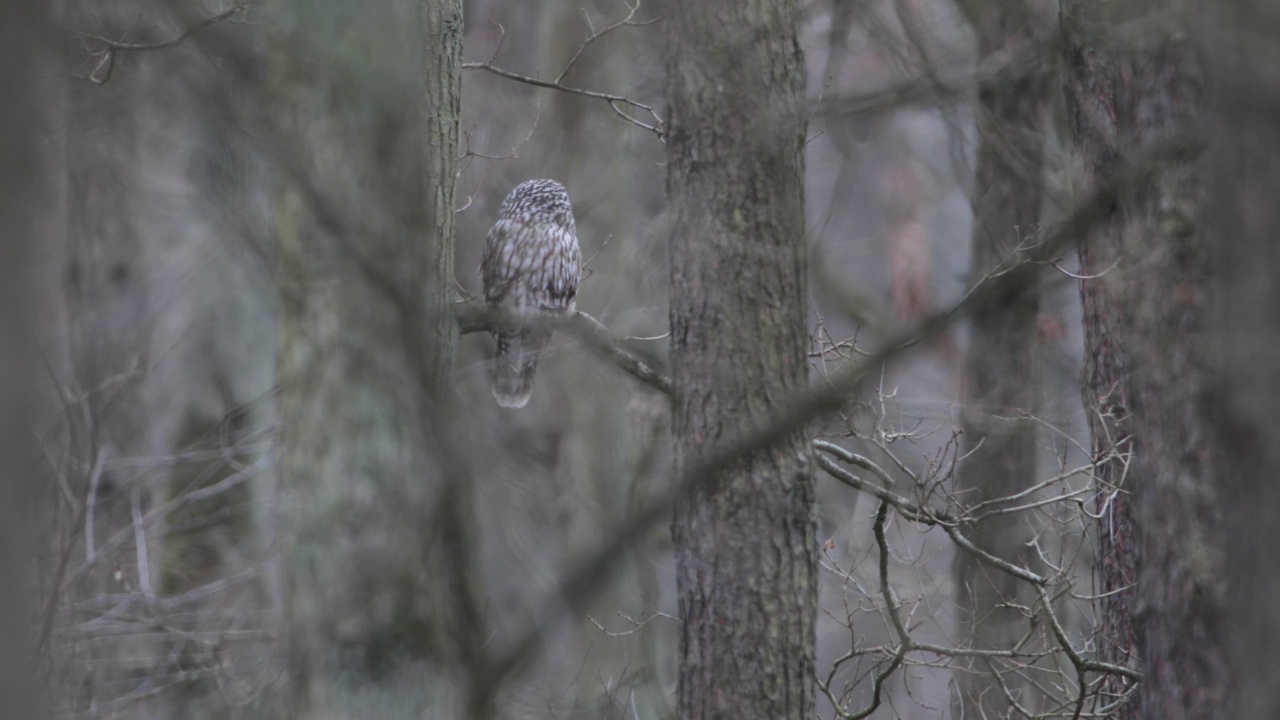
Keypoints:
(101, 72)
(627, 21)
(91, 500)
(140, 543)
(615, 102)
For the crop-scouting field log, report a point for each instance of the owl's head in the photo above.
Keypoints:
(538, 201)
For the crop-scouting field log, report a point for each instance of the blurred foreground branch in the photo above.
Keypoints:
(1044, 643)
(953, 86)
(593, 570)
(1022, 276)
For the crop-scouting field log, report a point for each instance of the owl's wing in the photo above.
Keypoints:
(564, 270)
(498, 267)
(531, 265)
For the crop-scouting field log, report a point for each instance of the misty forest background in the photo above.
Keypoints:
(945, 330)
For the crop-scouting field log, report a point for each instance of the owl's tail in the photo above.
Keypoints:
(515, 364)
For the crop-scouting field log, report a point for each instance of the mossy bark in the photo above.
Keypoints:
(365, 353)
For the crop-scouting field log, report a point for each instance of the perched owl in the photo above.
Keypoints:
(531, 266)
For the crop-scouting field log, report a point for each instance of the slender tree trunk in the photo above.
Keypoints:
(1162, 557)
(439, 107)
(1243, 172)
(1001, 370)
(366, 346)
(745, 547)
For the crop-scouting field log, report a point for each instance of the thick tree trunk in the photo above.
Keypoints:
(745, 546)
(1162, 557)
(24, 60)
(1243, 173)
(1001, 376)
(366, 346)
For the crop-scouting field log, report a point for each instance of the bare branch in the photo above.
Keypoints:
(473, 318)
(91, 499)
(108, 47)
(140, 542)
(616, 102)
(628, 21)
(515, 150)
(855, 459)
(1075, 680)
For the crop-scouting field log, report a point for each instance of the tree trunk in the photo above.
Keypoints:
(1146, 383)
(1243, 173)
(24, 59)
(439, 107)
(1001, 376)
(745, 547)
(366, 346)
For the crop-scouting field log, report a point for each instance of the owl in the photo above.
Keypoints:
(531, 267)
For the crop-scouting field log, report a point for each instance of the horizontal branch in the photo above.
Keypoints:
(614, 101)
(183, 35)
(921, 514)
(474, 318)
(101, 71)
(908, 509)
(854, 458)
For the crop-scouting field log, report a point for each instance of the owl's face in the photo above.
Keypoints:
(538, 201)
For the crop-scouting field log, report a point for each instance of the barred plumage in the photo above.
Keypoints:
(531, 265)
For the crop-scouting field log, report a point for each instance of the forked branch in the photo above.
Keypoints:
(619, 104)
(103, 49)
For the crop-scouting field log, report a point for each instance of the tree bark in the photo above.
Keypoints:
(1001, 368)
(1161, 552)
(745, 547)
(373, 510)
(24, 59)
(1239, 43)
(440, 108)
